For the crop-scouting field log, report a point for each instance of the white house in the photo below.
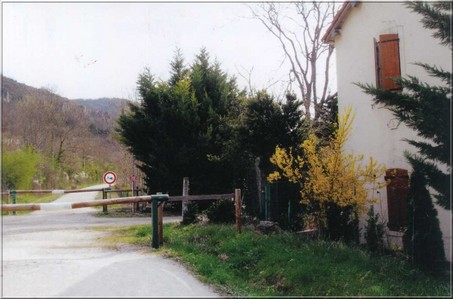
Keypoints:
(374, 41)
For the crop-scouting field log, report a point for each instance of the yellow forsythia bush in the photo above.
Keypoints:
(327, 173)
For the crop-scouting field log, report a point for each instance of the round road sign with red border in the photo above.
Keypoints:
(109, 177)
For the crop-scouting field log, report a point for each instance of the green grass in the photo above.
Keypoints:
(249, 264)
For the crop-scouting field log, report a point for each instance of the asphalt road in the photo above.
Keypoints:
(58, 254)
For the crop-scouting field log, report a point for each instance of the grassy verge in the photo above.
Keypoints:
(249, 264)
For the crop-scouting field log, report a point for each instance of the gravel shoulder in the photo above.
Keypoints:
(57, 254)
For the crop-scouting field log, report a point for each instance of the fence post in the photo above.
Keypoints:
(135, 193)
(13, 198)
(237, 200)
(7, 200)
(185, 192)
(104, 196)
(267, 200)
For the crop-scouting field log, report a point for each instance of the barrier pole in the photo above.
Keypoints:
(160, 226)
(155, 241)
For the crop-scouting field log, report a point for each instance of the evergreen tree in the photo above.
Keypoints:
(423, 237)
(183, 127)
(374, 232)
(426, 108)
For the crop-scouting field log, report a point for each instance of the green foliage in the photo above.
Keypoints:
(423, 237)
(221, 211)
(342, 223)
(374, 232)
(436, 16)
(268, 124)
(332, 182)
(327, 118)
(19, 167)
(249, 264)
(184, 127)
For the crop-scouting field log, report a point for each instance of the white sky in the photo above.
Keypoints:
(54, 45)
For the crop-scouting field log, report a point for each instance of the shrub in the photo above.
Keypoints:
(19, 168)
(423, 237)
(342, 223)
(221, 211)
(374, 234)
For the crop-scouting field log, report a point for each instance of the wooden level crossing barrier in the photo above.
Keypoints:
(124, 200)
(94, 203)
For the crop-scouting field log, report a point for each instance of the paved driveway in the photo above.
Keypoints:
(56, 254)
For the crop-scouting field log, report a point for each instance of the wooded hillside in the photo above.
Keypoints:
(73, 140)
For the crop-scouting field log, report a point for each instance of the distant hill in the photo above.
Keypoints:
(13, 91)
(74, 138)
(111, 106)
(101, 113)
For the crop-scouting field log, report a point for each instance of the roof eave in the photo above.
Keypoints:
(337, 22)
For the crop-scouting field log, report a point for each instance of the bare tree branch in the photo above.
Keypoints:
(299, 29)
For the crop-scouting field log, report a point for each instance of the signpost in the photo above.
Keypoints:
(109, 177)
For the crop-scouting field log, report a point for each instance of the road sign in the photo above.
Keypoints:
(133, 178)
(109, 177)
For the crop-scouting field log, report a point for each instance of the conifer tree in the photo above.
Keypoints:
(426, 108)
(423, 237)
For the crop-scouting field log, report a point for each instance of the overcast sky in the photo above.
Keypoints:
(93, 50)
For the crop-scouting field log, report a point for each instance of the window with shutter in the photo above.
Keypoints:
(397, 190)
(387, 59)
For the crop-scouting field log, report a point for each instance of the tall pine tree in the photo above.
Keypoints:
(182, 127)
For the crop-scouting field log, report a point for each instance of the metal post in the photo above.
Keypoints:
(160, 223)
(104, 196)
(13, 197)
(159, 197)
(155, 242)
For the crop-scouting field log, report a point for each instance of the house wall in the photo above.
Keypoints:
(375, 132)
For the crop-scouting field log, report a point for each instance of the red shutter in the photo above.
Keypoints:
(397, 190)
(389, 60)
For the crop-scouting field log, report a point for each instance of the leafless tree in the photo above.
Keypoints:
(299, 27)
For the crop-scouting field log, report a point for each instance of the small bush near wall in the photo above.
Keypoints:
(222, 211)
(374, 232)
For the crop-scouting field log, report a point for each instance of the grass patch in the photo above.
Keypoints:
(120, 211)
(284, 264)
